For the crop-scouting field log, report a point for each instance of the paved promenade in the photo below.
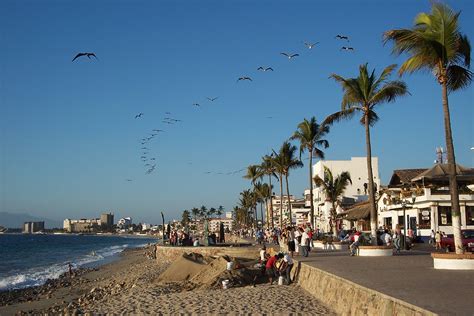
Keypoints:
(408, 276)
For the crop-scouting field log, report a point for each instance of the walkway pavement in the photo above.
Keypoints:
(408, 276)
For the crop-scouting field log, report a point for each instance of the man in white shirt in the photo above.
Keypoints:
(285, 268)
(304, 243)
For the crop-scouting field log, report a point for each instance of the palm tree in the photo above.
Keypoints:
(220, 211)
(362, 95)
(253, 173)
(435, 43)
(185, 218)
(195, 212)
(333, 189)
(288, 152)
(279, 169)
(249, 203)
(264, 192)
(309, 135)
(267, 168)
(203, 211)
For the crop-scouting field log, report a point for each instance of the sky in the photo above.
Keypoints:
(69, 138)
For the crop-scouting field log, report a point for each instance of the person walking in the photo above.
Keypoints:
(291, 240)
(304, 243)
(355, 243)
(432, 241)
(438, 240)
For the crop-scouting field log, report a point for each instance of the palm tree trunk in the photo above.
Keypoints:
(453, 185)
(289, 204)
(271, 200)
(281, 201)
(311, 186)
(373, 208)
(261, 212)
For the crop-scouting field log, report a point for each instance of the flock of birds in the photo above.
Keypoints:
(150, 163)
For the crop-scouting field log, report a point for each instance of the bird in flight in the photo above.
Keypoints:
(167, 122)
(139, 115)
(289, 55)
(212, 99)
(85, 54)
(196, 104)
(342, 37)
(265, 68)
(158, 130)
(244, 78)
(168, 113)
(309, 45)
(128, 180)
(207, 172)
(269, 117)
(347, 48)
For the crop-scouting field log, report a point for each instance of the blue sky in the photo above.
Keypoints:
(69, 138)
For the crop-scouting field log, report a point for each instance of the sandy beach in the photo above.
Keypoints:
(136, 284)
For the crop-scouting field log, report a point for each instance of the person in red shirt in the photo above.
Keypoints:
(270, 267)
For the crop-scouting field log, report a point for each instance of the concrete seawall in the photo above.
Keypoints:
(343, 296)
(348, 298)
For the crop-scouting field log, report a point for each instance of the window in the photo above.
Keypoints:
(401, 221)
(387, 221)
(469, 215)
(444, 216)
(424, 218)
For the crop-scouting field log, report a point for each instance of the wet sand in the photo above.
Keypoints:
(131, 285)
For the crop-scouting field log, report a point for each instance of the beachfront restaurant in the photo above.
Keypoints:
(420, 198)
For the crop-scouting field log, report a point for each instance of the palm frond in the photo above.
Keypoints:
(389, 92)
(341, 115)
(458, 77)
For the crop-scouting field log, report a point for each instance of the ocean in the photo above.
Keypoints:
(30, 260)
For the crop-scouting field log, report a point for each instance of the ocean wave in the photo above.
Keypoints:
(39, 275)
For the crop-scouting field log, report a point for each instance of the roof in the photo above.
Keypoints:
(439, 174)
(358, 211)
(403, 177)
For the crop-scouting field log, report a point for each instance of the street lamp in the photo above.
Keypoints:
(405, 221)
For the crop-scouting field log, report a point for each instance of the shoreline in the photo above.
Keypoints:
(137, 284)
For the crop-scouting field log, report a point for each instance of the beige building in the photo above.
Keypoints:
(81, 225)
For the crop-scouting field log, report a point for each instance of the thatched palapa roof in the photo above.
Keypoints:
(357, 211)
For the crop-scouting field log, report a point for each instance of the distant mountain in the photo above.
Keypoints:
(16, 220)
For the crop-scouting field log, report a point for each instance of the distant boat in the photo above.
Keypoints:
(3, 230)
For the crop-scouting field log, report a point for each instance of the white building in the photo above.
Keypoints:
(124, 223)
(355, 192)
(214, 224)
(431, 209)
(299, 211)
(228, 215)
(146, 226)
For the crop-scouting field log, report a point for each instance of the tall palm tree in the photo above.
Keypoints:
(220, 211)
(288, 153)
(262, 192)
(435, 43)
(195, 212)
(253, 173)
(248, 201)
(267, 168)
(203, 211)
(279, 168)
(333, 189)
(309, 135)
(362, 95)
